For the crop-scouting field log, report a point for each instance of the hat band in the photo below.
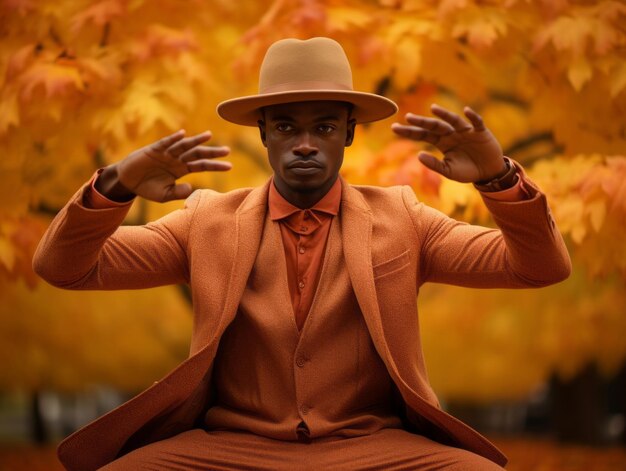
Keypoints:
(305, 87)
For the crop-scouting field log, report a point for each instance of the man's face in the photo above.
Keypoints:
(305, 143)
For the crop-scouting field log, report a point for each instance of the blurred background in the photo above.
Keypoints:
(85, 82)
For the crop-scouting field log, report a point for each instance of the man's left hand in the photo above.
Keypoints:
(471, 153)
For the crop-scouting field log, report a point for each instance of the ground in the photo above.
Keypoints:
(524, 455)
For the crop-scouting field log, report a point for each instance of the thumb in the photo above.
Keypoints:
(178, 192)
(434, 164)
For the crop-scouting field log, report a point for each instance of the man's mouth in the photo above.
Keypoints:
(304, 170)
(304, 164)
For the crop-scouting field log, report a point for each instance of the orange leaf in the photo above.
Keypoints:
(21, 6)
(18, 61)
(99, 14)
(481, 27)
(161, 40)
(57, 80)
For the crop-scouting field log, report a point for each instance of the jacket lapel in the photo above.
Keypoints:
(356, 229)
(356, 226)
(249, 220)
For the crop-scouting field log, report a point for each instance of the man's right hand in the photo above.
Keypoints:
(151, 172)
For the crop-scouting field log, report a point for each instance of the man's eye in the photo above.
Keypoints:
(283, 127)
(326, 128)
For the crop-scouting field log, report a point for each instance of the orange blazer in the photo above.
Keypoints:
(392, 245)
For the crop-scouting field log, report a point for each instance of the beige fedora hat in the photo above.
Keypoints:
(315, 69)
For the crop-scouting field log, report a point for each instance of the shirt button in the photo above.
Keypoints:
(300, 361)
(305, 409)
(301, 285)
(303, 228)
(301, 250)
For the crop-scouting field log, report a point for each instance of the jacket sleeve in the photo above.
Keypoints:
(88, 249)
(526, 251)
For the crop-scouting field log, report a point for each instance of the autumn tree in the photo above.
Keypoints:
(82, 83)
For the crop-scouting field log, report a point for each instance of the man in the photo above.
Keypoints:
(305, 351)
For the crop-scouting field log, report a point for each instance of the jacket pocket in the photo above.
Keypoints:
(392, 265)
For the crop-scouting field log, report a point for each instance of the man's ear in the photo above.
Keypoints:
(350, 132)
(261, 125)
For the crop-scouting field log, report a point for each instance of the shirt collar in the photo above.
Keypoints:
(280, 208)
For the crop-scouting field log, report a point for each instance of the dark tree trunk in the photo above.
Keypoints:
(579, 407)
(38, 425)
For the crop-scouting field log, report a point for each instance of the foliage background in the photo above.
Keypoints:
(83, 83)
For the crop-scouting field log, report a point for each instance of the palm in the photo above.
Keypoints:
(471, 152)
(151, 172)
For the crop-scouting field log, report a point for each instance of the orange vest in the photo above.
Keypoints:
(272, 380)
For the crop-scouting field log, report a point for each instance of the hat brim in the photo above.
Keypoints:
(368, 107)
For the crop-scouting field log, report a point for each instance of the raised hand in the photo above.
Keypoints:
(470, 151)
(151, 172)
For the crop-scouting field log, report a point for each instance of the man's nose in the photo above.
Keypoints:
(304, 146)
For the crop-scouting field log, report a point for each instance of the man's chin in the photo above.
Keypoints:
(306, 185)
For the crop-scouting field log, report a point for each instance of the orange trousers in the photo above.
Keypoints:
(387, 449)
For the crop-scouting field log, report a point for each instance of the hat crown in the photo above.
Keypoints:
(295, 70)
(294, 64)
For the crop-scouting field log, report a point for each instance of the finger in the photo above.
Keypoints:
(162, 144)
(434, 125)
(475, 119)
(178, 192)
(415, 133)
(204, 152)
(458, 123)
(188, 143)
(205, 165)
(434, 164)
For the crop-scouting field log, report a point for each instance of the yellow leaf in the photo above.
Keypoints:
(618, 79)
(408, 62)
(7, 253)
(566, 33)
(454, 194)
(569, 215)
(579, 73)
(597, 213)
(578, 233)
(345, 19)
(9, 111)
(111, 122)
(145, 106)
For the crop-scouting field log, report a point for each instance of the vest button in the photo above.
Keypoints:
(300, 361)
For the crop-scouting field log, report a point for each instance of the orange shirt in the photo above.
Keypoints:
(304, 233)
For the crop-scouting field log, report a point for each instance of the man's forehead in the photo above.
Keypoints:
(326, 109)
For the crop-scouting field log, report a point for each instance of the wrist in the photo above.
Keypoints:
(109, 186)
(503, 181)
